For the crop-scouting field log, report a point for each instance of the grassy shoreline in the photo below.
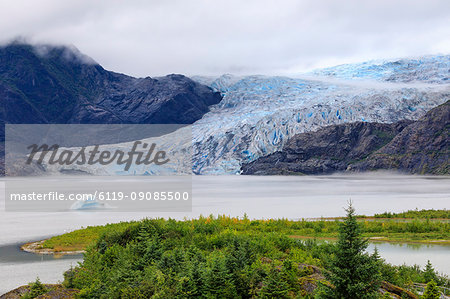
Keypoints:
(425, 230)
(382, 239)
(56, 245)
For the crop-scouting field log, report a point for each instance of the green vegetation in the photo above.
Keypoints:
(80, 239)
(353, 273)
(417, 214)
(418, 229)
(429, 272)
(432, 291)
(227, 257)
(36, 289)
(39, 290)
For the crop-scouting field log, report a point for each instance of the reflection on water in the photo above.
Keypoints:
(413, 253)
(18, 267)
(12, 254)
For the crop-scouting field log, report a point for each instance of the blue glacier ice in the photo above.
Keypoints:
(258, 114)
(430, 69)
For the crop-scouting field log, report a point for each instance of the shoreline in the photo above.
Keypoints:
(382, 240)
(36, 248)
(415, 230)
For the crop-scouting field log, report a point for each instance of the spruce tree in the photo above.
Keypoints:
(432, 291)
(36, 289)
(353, 273)
(429, 273)
(376, 254)
(195, 275)
(274, 286)
(219, 280)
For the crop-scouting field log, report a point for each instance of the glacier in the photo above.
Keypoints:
(177, 145)
(430, 69)
(258, 114)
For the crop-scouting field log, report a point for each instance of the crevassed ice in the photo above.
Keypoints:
(258, 114)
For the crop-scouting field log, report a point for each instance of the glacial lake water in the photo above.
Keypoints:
(292, 197)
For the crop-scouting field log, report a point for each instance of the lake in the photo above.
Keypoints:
(292, 197)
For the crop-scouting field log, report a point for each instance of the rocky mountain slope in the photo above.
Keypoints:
(51, 84)
(422, 147)
(415, 147)
(47, 84)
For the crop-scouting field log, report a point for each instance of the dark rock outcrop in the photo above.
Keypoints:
(413, 147)
(422, 147)
(327, 150)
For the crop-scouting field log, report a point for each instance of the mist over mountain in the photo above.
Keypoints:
(47, 84)
(56, 84)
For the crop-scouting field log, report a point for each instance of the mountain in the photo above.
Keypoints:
(52, 84)
(327, 150)
(422, 147)
(259, 114)
(57, 84)
(408, 146)
(236, 119)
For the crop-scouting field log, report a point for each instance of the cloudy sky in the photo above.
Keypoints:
(210, 37)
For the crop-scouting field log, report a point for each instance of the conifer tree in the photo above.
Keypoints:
(376, 254)
(432, 291)
(219, 282)
(353, 273)
(195, 275)
(274, 286)
(429, 273)
(36, 289)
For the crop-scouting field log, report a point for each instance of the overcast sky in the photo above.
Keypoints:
(210, 37)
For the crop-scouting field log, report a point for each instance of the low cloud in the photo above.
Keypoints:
(157, 37)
